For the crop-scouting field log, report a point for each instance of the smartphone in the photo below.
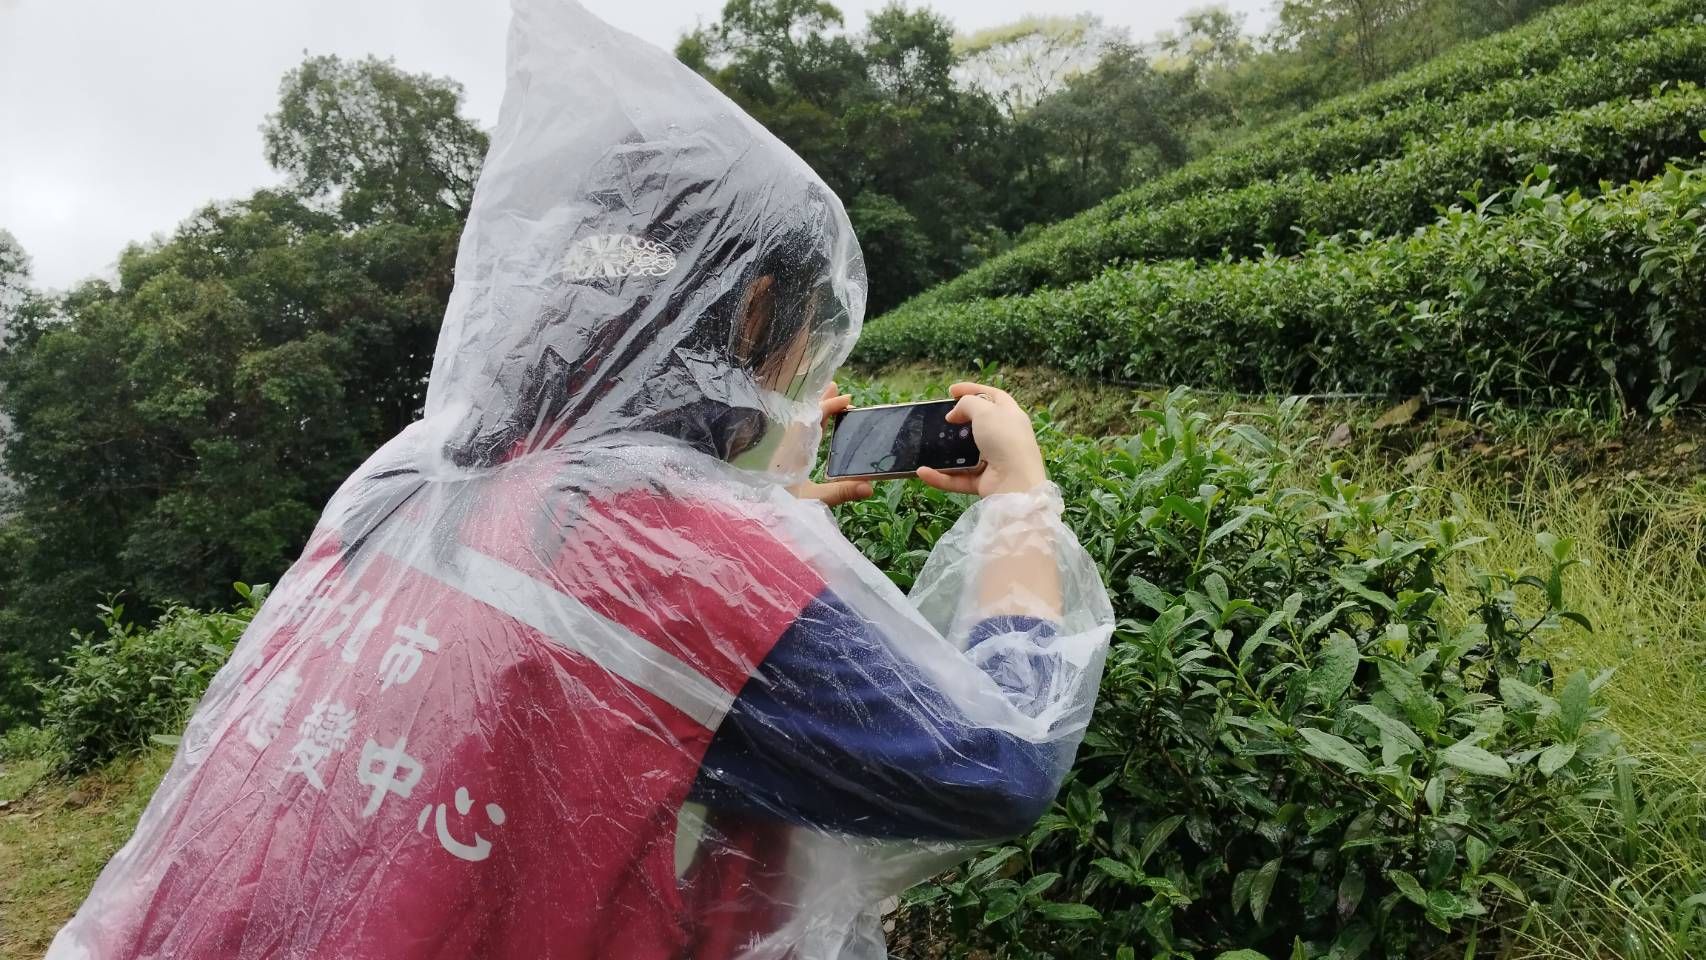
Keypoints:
(875, 443)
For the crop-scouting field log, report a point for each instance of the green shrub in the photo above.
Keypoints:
(126, 684)
(1297, 749)
(1618, 141)
(1348, 138)
(1558, 37)
(25, 742)
(1532, 295)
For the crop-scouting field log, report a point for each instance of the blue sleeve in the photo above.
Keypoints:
(836, 731)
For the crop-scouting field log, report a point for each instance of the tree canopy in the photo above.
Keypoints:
(179, 429)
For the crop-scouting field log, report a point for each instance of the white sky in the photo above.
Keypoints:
(118, 118)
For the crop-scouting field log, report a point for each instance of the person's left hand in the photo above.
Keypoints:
(832, 403)
(835, 492)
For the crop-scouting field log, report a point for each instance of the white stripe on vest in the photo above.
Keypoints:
(570, 623)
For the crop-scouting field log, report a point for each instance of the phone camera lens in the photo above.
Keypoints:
(965, 432)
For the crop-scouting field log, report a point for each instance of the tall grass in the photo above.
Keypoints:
(1633, 873)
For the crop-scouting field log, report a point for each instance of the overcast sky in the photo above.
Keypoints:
(118, 118)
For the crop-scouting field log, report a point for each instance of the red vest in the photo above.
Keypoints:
(474, 746)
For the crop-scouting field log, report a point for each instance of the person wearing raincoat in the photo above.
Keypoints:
(578, 665)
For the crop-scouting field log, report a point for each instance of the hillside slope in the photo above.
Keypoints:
(1322, 256)
(1568, 58)
(56, 835)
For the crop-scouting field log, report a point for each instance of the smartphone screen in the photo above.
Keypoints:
(900, 439)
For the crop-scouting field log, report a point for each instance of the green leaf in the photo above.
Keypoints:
(1574, 706)
(991, 863)
(1521, 696)
(1406, 687)
(1148, 594)
(1241, 955)
(168, 739)
(1068, 911)
(1116, 869)
(1478, 852)
(1156, 836)
(1319, 623)
(1469, 758)
(1262, 888)
(1335, 749)
(1000, 907)
(1434, 794)
(1241, 889)
(1351, 585)
(1397, 729)
(1506, 884)
(1245, 515)
(1334, 670)
(1443, 906)
(1351, 887)
(1192, 512)
(1551, 545)
(1038, 884)
(1408, 886)
(923, 893)
(1553, 758)
(1442, 858)
(1167, 624)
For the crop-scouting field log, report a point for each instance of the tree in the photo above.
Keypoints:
(1109, 127)
(878, 116)
(1022, 63)
(1206, 40)
(14, 279)
(387, 144)
(182, 428)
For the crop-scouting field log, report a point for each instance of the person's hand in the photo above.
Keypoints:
(832, 403)
(1012, 461)
(836, 492)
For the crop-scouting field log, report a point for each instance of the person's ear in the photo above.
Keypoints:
(757, 311)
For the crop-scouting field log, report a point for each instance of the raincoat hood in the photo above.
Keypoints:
(640, 256)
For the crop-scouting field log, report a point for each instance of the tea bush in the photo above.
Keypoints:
(1617, 141)
(1621, 60)
(1572, 32)
(1555, 38)
(1296, 750)
(126, 684)
(1532, 295)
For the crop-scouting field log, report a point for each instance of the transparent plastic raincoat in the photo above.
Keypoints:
(565, 670)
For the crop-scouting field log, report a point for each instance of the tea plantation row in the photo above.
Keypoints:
(1616, 141)
(1568, 35)
(1619, 60)
(1539, 296)
(1297, 749)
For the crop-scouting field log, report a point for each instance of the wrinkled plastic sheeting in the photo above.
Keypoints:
(480, 716)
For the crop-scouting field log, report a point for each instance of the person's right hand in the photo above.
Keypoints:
(1012, 461)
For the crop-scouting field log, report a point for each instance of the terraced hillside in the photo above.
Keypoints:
(1519, 220)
